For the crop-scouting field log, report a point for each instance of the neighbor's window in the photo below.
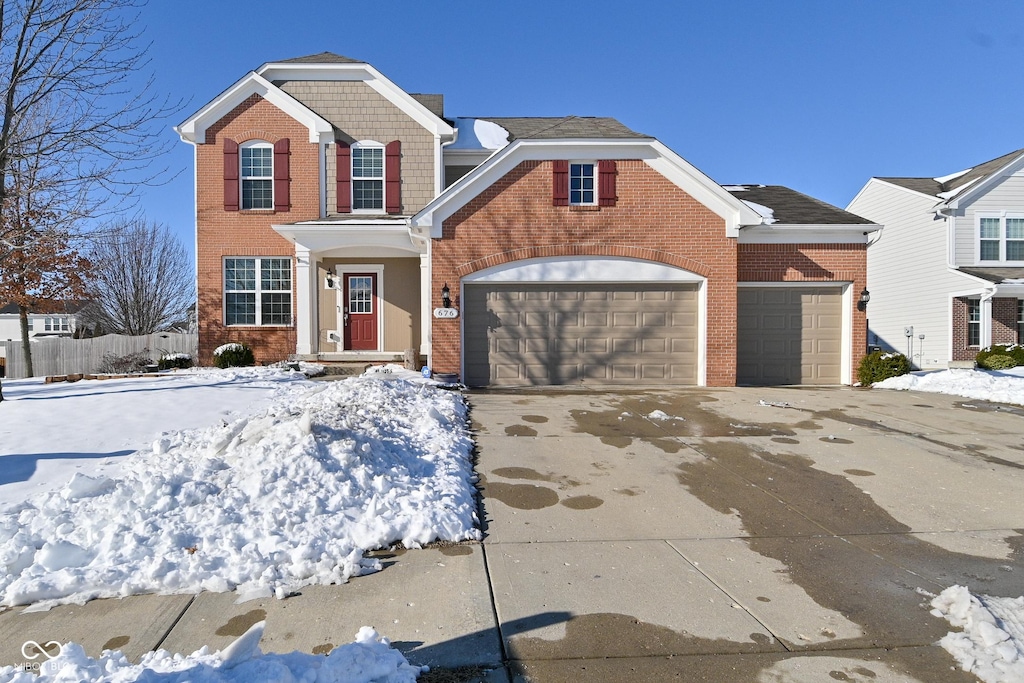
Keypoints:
(367, 178)
(581, 184)
(973, 322)
(56, 325)
(257, 291)
(257, 175)
(1001, 238)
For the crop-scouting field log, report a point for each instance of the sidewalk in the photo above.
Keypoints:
(720, 539)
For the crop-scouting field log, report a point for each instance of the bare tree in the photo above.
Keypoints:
(142, 278)
(74, 107)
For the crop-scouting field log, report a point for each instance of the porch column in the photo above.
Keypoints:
(986, 320)
(305, 286)
(427, 312)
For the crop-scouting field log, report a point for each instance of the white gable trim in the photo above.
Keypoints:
(887, 185)
(650, 151)
(367, 74)
(985, 183)
(193, 129)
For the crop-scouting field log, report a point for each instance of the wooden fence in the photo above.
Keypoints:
(63, 356)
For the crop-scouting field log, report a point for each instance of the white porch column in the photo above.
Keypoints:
(986, 320)
(305, 287)
(426, 312)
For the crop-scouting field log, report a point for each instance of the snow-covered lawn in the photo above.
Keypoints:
(999, 386)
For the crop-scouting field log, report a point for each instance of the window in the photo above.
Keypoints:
(257, 291)
(257, 175)
(1020, 321)
(56, 325)
(581, 184)
(1000, 238)
(973, 322)
(367, 178)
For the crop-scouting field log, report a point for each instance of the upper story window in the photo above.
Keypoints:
(56, 325)
(581, 184)
(1000, 238)
(257, 175)
(367, 177)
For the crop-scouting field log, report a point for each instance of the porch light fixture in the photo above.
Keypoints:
(865, 297)
(330, 279)
(446, 296)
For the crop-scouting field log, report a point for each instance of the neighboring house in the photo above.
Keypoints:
(335, 211)
(947, 274)
(39, 324)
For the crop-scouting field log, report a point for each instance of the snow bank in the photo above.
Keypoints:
(991, 645)
(370, 659)
(1003, 386)
(265, 504)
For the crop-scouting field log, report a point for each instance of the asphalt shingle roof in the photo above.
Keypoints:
(562, 127)
(59, 308)
(321, 58)
(995, 275)
(435, 103)
(932, 187)
(795, 208)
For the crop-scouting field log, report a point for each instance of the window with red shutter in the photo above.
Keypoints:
(606, 193)
(230, 175)
(393, 176)
(560, 182)
(344, 179)
(282, 176)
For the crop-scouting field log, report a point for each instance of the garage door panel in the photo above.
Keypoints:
(789, 335)
(602, 333)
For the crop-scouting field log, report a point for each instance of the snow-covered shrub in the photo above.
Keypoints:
(132, 362)
(233, 356)
(175, 360)
(998, 362)
(880, 365)
(1014, 351)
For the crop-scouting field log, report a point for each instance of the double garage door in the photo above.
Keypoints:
(626, 333)
(789, 335)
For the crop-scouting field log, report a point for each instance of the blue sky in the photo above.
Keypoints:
(818, 96)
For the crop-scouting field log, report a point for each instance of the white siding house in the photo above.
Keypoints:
(949, 263)
(39, 324)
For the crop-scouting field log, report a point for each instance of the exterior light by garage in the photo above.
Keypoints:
(865, 297)
(446, 310)
(446, 296)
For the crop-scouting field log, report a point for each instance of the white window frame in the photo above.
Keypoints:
(370, 144)
(1020, 321)
(1002, 216)
(56, 324)
(594, 176)
(242, 178)
(975, 324)
(258, 292)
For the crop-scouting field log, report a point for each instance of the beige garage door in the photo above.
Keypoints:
(789, 335)
(565, 334)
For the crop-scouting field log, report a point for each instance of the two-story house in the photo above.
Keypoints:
(947, 275)
(340, 218)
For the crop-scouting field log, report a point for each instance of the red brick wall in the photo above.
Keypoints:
(960, 349)
(653, 220)
(1004, 321)
(221, 233)
(811, 263)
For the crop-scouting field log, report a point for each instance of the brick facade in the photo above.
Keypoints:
(1004, 321)
(960, 349)
(653, 219)
(221, 233)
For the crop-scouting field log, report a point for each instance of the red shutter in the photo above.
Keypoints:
(231, 169)
(606, 183)
(393, 176)
(560, 180)
(282, 176)
(344, 177)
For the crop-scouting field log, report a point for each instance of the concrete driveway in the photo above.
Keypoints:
(694, 535)
(743, 534)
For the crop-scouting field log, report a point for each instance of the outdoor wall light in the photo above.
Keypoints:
(865, 297)
(330, 279)
(446, 296)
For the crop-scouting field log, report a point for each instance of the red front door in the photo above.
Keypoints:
(360, 311)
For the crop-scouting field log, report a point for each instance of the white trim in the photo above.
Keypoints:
(426, 325)
(879, 181)
(343, 269)
(594, 175)
(255, 143)
(807, 234)
(1001, 262)
(194, 128)
(292, 292)
(655, 154)
(846, 302)
(582, 269)
(306, 315)
(369, 144)
(978, 187)
(360, 71)
(375, 235)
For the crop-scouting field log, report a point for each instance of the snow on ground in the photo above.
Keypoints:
(999, 386)
(50, 431)
(991, 644)
(370, 659)
(265, 503)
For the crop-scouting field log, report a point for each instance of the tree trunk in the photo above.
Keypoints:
(26, 346)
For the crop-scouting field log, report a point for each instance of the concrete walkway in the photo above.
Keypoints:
(695, 535)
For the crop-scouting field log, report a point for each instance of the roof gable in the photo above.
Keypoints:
(956, 187)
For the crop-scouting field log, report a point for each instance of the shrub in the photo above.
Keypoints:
(998, 362)
(133, 362)
(233, 356)
(1014, 351)
(175, 360)
(879, 365)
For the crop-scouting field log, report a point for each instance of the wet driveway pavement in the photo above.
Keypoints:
(775, 534)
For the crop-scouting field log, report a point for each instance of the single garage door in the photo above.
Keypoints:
(789, 335)
(630, 333)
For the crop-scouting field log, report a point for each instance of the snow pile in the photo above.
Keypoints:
(1003, 386)
(265, 504)
(661, 415)
(224, 348)
(478, 134)
(370, 659)
(767, 214)
(991, 645)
